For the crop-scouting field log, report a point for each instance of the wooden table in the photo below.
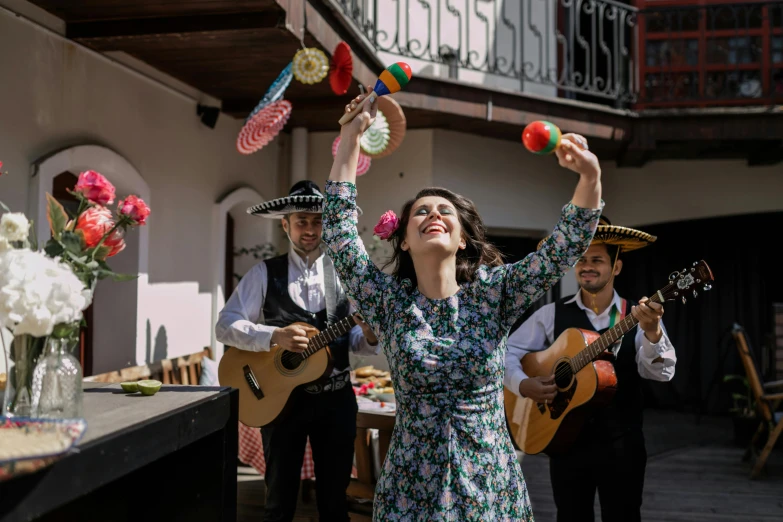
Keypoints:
(364, 485)
(171, 456)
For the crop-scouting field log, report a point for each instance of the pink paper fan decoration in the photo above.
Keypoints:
(364, 160)
(263, 127)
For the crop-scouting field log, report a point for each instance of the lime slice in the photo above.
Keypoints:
(149, 387)
(129, 386)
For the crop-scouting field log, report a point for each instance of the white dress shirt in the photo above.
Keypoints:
(240, 323)
(537, 333)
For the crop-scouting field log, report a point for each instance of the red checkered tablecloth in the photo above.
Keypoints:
(251, 452)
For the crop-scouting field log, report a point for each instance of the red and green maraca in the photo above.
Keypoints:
(392, 79)
(541, 137)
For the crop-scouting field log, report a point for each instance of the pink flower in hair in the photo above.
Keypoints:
(386, 225)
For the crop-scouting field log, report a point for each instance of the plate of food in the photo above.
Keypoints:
(373, 383)
(29, 444)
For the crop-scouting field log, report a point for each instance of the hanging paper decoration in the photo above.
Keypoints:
(310, 65)
(341, 69)
(396, 122)
(263, 127)
(275, 91)
(364, 161)
(376, 138)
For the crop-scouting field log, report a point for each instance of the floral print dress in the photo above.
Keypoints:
(451, 457)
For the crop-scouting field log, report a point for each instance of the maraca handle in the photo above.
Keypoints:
(348, 116)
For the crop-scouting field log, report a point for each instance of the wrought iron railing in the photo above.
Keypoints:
(596, 50)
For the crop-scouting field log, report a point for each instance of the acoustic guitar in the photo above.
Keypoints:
(584, 375)
(266, 379)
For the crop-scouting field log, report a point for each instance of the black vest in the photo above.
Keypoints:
(280, 310)
(624, 413)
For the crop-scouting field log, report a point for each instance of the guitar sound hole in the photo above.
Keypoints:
(563, 374)
(291, 360)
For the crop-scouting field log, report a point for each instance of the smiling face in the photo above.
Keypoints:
(594, 269)
(433, 227)
(304, 230)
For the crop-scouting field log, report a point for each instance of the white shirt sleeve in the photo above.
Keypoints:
(358, 342)
(237, 323)
(534, 335)
(647, 353)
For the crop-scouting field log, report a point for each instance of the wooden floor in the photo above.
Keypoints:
(694, 474)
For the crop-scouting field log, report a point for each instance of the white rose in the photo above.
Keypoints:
(37, 293)
(14, 226)
(4, 245)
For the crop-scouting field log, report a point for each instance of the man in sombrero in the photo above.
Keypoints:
(609, 454)
(301, 286)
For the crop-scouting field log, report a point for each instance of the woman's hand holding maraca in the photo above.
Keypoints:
(356, 127)
(574, 154)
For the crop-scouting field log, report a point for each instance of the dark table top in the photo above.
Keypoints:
(124, 433)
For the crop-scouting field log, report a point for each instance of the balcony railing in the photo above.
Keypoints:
(594, 50)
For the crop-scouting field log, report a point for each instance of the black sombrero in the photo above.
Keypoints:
(626, 238)
(305, 196)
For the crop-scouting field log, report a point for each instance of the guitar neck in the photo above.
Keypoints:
(608, 338)
(322, 339)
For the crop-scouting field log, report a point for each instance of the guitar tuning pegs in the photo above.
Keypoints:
(707, 287)
(683, 300)
(695, 263)
(695, 294)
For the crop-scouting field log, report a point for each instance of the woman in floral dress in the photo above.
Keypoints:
(443, 317)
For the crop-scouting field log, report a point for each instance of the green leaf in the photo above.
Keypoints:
(101, 252)
(124, 277)
(739, 397)
(54, 248)
(56, 215)
(32, 238)
(72, 242)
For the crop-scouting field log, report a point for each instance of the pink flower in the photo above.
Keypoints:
(94, 223)
(135, 208)
(386, 225)
(95, 188)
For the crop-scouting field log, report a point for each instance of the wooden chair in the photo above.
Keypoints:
(182, 370)
(766, 403)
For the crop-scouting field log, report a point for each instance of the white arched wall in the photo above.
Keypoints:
(125, 178)
(241, 196)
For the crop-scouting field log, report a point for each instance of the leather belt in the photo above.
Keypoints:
(330, 384)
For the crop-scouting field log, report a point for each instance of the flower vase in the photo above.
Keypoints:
(22, 355)
(57, 382)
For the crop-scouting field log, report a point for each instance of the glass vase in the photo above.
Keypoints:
(57, 382)
(21, 357)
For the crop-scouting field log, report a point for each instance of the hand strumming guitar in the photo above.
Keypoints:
(292, 338)
(540, 389)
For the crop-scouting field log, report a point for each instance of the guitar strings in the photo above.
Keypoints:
(315, 344)
(565, 370)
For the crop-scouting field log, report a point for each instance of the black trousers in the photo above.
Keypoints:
(612, 466)
(329, 419)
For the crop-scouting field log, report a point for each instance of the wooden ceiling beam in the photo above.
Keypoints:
(171, 25)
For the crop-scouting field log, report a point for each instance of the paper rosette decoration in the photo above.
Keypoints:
(275, 91)
(310, 65)
(341, 69)
(364, 161)
(376, 138)
(263, 126)
(395, 120)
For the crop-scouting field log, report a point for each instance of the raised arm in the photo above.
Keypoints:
(365, 284)
(527, 280)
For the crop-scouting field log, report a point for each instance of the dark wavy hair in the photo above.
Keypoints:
(478, 251)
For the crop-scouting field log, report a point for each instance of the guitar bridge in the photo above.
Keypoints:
(252, 382)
